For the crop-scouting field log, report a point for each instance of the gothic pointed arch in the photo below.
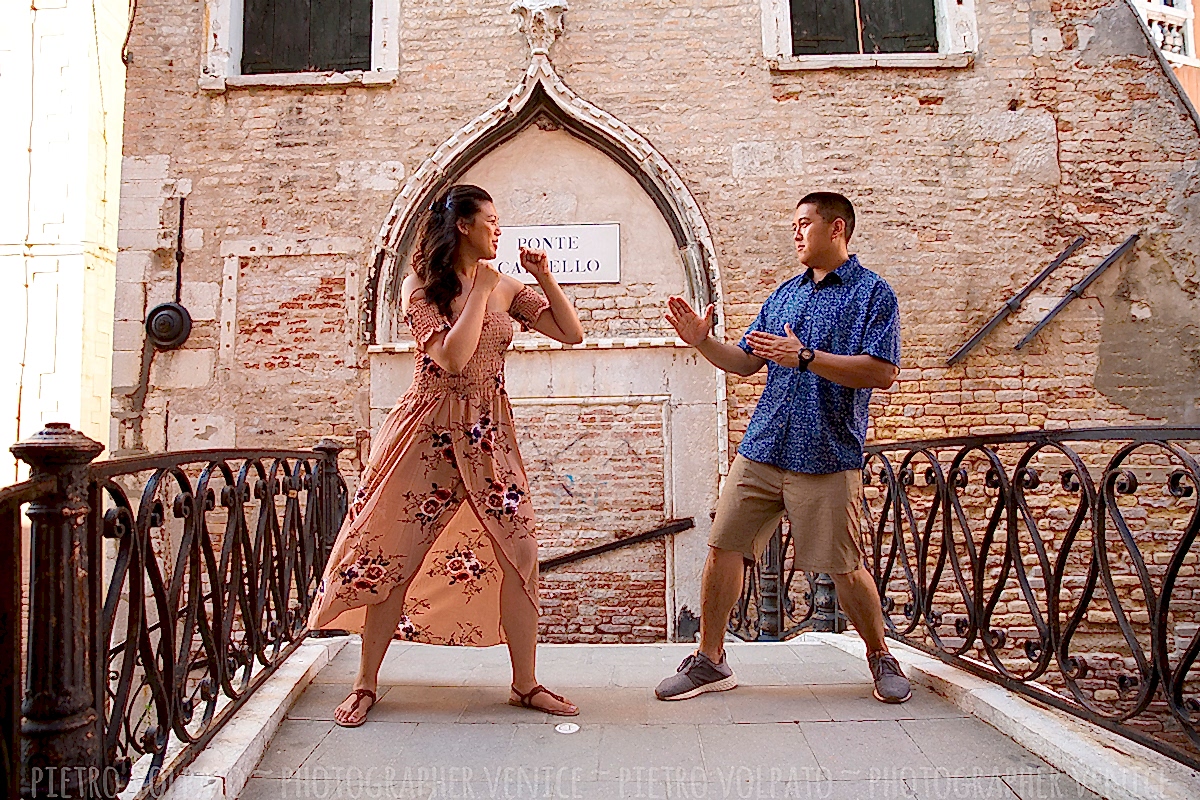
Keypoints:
(541, 95)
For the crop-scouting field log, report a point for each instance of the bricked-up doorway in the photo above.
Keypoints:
(624, 431)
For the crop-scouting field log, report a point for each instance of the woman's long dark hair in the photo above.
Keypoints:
(437, 247)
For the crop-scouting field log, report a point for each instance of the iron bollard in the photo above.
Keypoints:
(61, 733)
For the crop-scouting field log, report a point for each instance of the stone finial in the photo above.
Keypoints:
(541, 22)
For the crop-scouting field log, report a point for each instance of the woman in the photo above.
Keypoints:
(439, 544)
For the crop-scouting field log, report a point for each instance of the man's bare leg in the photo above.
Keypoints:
(860, 600)
(720, 587)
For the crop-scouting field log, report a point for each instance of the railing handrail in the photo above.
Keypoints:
(1137, 433)
(25, 491)
(125, 465)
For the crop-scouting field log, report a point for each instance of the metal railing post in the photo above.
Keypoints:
(331, 520)
(827, 614)
(770, 577)
(61, 750)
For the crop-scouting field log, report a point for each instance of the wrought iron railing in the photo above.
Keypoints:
(163, 591)
(1063, 565)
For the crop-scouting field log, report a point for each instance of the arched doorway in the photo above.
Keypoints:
(626, 430)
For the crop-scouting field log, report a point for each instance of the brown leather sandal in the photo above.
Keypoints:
(526, 701)
(358, 695)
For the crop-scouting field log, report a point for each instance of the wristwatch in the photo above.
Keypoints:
(806, 357)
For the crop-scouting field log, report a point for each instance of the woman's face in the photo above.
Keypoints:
(480, 235)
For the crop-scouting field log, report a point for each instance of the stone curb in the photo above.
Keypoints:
(1107, 764)
(222, 770)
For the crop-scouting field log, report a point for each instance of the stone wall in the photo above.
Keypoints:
(968, 181)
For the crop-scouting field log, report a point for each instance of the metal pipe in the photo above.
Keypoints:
(1078, 289)
(1014, 304)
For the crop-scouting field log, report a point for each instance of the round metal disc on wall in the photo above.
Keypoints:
(168, 326)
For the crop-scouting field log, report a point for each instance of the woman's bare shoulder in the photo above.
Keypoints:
(511, 287)
(409, 289)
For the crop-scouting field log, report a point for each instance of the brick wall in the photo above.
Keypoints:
(968, 181)
(596, 474)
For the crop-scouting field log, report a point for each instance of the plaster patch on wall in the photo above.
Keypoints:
(1046, 40)
(1028, 139)
(1112, 34)
(199, 431)
(767, 160)
(374, 176)
(1150, 334)
(1084, 33)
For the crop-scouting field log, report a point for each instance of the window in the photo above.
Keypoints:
(300, 43)
(1171, 24)
(306, 36)
(821, 27)
(843, 34)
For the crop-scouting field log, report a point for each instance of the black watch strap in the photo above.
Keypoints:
(806, 357)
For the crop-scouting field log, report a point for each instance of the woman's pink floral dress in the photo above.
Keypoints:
(443, 498)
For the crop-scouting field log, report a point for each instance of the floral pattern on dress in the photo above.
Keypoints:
(442, 502)
(483, 435)
(405, 629)
(365, 574)
(434, 504)
(502, 501)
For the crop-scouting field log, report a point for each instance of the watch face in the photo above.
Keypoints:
(807, 354)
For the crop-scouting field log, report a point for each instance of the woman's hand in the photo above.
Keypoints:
(487, 277)
(536, 263)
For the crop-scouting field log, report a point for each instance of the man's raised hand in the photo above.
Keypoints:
(690, 326)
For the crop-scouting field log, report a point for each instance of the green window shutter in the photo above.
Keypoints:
(823, 26)
(305, 36)
(340, 36)
(898, 26)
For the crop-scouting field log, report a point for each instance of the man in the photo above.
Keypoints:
(827, 337)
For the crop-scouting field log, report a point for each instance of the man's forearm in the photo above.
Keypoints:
(854, 372)
(729, 357)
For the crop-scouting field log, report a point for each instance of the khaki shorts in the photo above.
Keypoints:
(825, 512)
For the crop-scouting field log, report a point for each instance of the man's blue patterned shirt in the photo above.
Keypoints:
(805, 423)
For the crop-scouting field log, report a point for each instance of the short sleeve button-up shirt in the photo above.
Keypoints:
(803, 422)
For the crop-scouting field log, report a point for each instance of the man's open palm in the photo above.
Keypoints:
(690, 326)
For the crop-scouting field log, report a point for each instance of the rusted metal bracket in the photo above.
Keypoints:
(1078, 289)
(1014, 304)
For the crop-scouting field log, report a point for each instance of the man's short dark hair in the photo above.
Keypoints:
(831, 206)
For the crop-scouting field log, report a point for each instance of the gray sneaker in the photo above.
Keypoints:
(890, 684)
(697, 675)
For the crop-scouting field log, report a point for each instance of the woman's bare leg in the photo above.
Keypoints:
(519, 617)
(378, 629)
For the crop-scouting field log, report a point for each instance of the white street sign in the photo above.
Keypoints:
(578, 253)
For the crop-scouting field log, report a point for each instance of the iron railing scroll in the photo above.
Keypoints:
(163, 590)
(1063, 565)
(773, 608)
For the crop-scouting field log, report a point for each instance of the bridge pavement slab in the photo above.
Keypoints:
(442, 728)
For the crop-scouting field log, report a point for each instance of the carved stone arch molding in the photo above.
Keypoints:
(541, 94)
(667, 407)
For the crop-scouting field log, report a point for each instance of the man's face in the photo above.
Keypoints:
(814, 236)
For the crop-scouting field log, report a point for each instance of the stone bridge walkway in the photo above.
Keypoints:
(801, 724)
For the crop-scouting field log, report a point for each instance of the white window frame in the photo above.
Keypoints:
(221, 67)
(957, 32)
